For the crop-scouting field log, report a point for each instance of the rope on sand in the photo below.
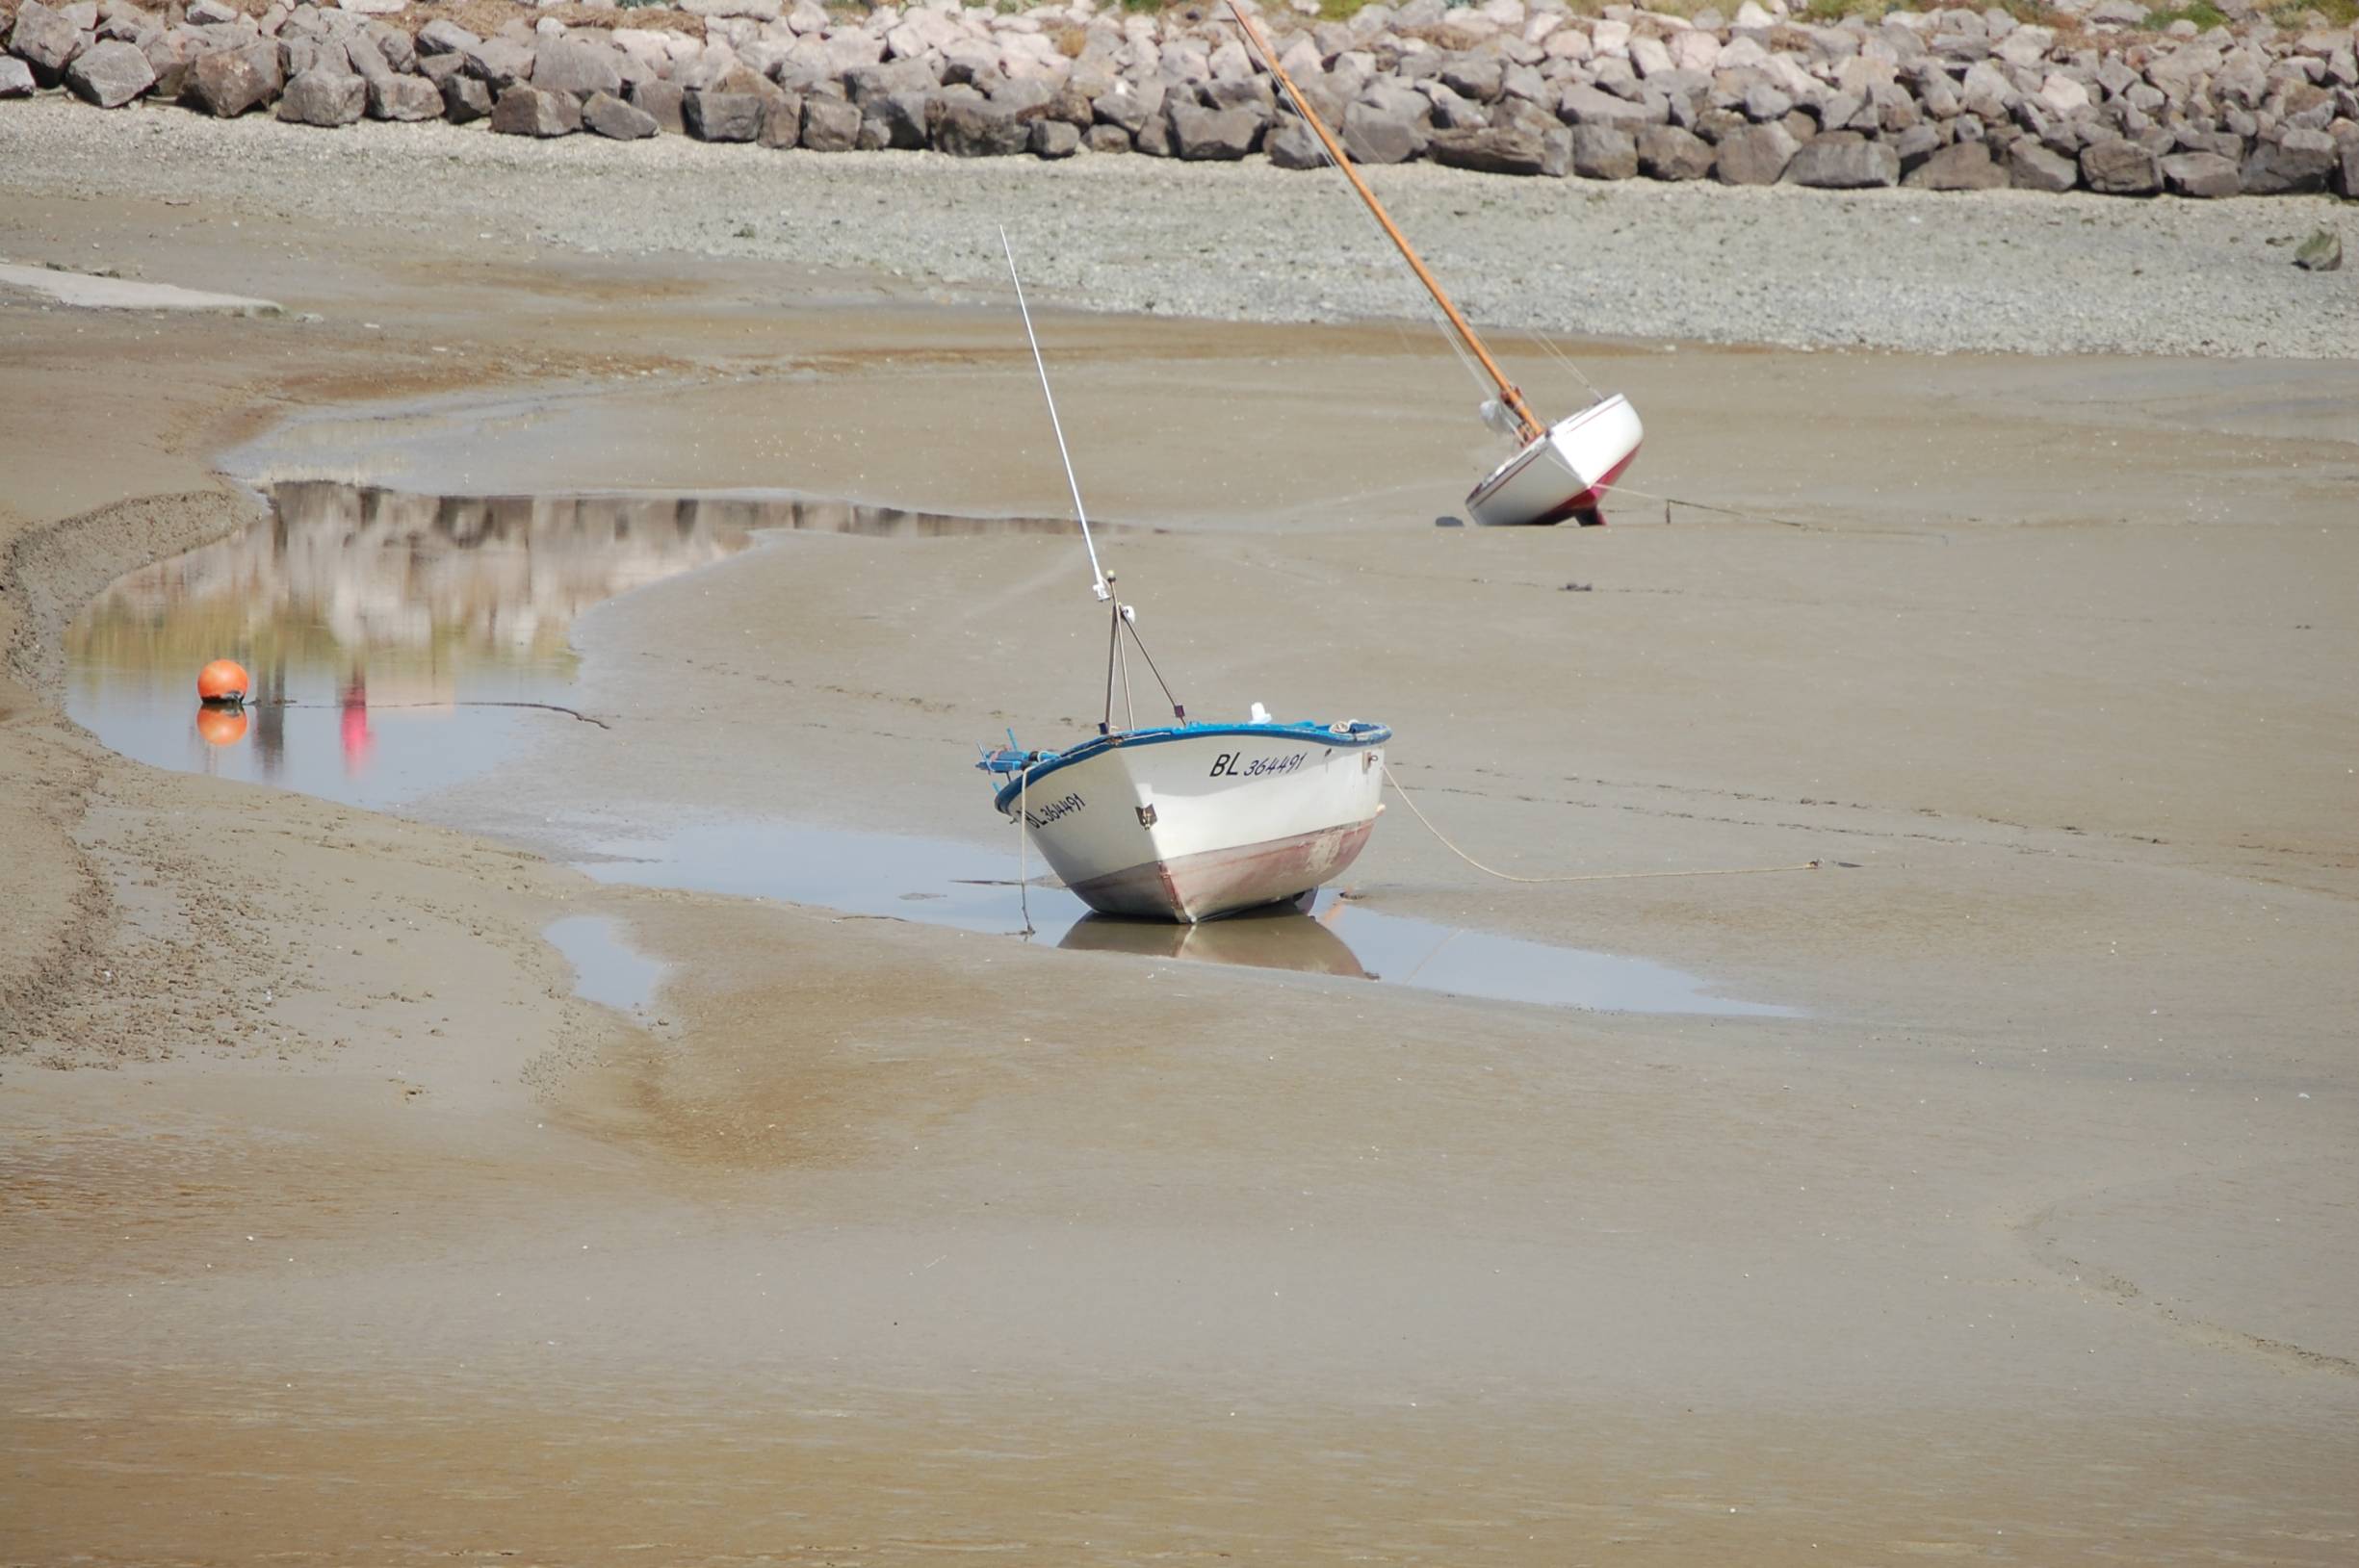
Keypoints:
(1591, 876)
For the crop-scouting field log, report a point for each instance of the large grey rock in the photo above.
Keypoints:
(1103, 138)
(1754, 154)
(111, 74)
(1129, 106)
(404, 98)
(965, 128)
(1477, 77)
(1843, 161)
(661, 102)
(323, 97)
(524, 110)
(1666, 152)
(1961, 166)
(1507, 149)
(2032, 167)
(15, 77)
(2205, 175)
(1452, 113)
(1201, 135)
(1055, 138)
(445, 37)
(2301, 162)
(1604, 152)
(863, 83)
(2321, 252)
(465, 99)
(298, 55)
(48, 40)
(366, 60)
(394, 48)
(712, 115)
(1290, 144)
(895, 119)
(611, 117)
(1765, 101)
(1582, 104)
(2347, 177)
(830, 125)
(1381, 134)
(229, 81)
(782, 121)
(1155, 138)
(500, 63)
(2120, 169)
(569, 64)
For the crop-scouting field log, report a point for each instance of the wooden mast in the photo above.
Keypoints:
(1529, 425)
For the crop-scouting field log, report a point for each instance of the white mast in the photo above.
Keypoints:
(1096, 572)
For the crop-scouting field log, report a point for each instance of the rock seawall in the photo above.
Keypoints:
(1952, 100)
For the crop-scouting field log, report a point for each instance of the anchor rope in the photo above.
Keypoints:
(1589, 876)
(1024, 844)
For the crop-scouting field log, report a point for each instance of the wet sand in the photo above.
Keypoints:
(340, 1229)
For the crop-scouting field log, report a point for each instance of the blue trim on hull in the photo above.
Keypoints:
(1349, 735)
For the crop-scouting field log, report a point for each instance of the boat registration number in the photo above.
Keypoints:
(1042, 817)
(1229, 765)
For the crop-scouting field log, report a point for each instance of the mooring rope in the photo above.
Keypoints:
(1023, 843)
(1591, 876)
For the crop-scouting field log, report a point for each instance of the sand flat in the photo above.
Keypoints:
(875, 1242)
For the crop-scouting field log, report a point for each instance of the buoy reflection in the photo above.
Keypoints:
(220, 726)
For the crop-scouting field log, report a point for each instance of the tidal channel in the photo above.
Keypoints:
(403, 643)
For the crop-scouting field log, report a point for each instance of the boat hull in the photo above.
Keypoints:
(1188, 826)
(1564, 472)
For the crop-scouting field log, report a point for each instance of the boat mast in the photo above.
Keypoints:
(1528, 426)
(1123, 617)
(1097, 573)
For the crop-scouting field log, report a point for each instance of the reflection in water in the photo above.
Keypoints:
(385, 628)
(972, 889)
(1282, 937)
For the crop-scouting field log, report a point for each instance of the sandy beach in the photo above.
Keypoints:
(340, 1228)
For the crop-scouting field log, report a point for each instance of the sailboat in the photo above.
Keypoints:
(1560, 471)
(1186, 821)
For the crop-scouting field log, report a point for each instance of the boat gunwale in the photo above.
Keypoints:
(1371, 734)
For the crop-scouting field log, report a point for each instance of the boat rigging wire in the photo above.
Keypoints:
(1591, 876)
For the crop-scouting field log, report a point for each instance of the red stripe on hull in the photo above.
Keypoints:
(1221, 881)
(1590, 499)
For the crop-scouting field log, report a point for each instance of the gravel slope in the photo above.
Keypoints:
(2005, 270)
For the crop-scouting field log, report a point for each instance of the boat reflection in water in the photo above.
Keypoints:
(1281, 937)
(971, 887)
(400, 642)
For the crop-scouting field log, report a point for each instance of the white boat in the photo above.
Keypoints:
(1186, 821)
(1559, 472)
(1191, 821)
(1566, 472)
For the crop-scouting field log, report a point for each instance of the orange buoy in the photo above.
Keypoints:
(223, 725)
(223, 681)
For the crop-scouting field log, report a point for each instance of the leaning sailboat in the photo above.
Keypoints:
(1559, 472)
(1186, 821)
